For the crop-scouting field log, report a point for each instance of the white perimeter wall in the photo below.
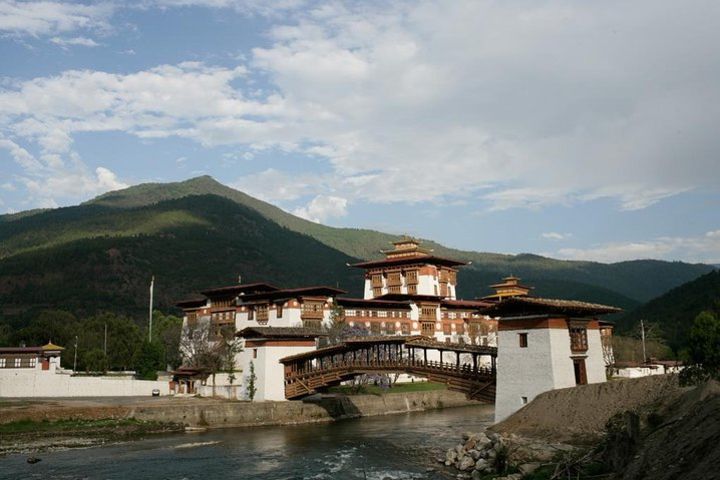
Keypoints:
(34, 383)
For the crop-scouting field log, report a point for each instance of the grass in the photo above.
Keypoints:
(71, 425)
(397, 388)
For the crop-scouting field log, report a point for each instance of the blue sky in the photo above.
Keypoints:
(578, 130)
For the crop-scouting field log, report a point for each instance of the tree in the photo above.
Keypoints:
(704, 349)
(167, 329)
(195, 343)
(148, 360)
(95, 361)
(229, 347)
(251, 378)
(337, 326)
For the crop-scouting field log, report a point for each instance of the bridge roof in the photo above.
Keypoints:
(418, 341)
(425, 342)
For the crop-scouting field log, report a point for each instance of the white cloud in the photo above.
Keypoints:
(322, 208)
(555, 236)
(275, 186)
(38, 18)
(703, 248)
(522, 105)
(74, 41)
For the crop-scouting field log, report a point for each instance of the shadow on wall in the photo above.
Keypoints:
(337, 406)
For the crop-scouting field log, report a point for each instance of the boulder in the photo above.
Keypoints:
(465, 463)
(451, 455)
(482, 465)
(528, 468)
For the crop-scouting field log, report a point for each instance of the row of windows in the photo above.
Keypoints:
(377, 313)
(18, 362)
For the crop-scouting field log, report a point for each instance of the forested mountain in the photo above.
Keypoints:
(199, 233)
(673, 312)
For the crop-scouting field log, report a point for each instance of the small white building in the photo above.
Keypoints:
(545, 344)
(264, 347)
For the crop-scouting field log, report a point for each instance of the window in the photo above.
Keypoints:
(251, 313)
(522, 337)
(578, 339)
(279, 311)
(33, 362)
(254, 352)
(2, 363)
(447, 328)
(405, 328)
(375, 328)
(523, 400)
(17, 363)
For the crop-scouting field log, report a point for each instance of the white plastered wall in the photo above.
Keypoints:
(522, 372)
(38, 383)
(269, 372)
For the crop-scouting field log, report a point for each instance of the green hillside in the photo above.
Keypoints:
(639, 280)
(674, 311)
(200, 233)
(188, 244)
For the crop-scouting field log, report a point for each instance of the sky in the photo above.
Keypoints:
(576, 130)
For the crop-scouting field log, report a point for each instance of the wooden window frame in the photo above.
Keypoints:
(523, 340)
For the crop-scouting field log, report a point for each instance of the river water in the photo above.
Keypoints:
(378, 448)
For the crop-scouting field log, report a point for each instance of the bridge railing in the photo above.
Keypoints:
(388, 364)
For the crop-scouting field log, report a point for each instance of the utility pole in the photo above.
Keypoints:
(642, 333)
(152, 284)
(75, 361)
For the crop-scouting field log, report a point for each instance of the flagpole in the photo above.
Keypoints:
(152, 283)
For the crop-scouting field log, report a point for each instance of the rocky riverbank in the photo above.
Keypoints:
(489, 454)
(603, 431)
(33, 436)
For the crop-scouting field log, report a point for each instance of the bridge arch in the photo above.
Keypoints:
(473, 371)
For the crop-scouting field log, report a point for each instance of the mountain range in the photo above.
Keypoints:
(195, 234)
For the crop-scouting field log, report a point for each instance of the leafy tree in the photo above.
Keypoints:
(95, 361)
(251, 379)
(337, 326)
(167, 330)
(703, 350)
(148, 360)
(229, 346)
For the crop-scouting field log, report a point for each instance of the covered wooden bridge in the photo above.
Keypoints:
(471, 369)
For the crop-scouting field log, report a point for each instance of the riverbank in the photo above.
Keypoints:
(142, 416)
(634, 429)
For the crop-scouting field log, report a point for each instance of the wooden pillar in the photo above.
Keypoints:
(425, 355)
(474, 362)
(457, 361)
(441, 356)
(493, 363)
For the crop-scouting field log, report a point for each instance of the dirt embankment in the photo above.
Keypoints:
(678, 440)
(640, 429)
(579, 415)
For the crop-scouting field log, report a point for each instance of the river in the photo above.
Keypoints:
(377, 448)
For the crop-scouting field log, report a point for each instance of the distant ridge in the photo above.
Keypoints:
(675, 310)
(200, 233)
